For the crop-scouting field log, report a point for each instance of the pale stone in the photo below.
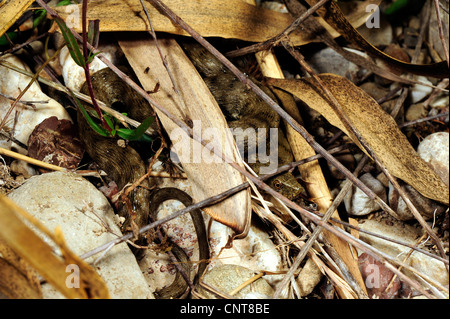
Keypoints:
(405, 233)
(72, 203)
(358, 203)
(24, 117)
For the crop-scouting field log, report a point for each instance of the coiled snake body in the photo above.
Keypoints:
(124, 165)
(242, 109)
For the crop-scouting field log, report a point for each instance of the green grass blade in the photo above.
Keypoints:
(72, 44)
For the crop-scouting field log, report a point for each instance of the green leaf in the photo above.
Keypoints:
(71, 42)
(11, 35)
(138, 133)
(100, 130)
(40, 16)
(111, 124)
(64, 3)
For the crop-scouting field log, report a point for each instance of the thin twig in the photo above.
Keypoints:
(441, 31)
(424, 119)
(86, 66)
(30, 160)
(163, 59)
(311, 240)
(277, 39)
(355, 135)
(18, 47)
(29, 103)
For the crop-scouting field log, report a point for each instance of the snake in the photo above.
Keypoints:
(179, 285)
(243, 110)
(123, 164)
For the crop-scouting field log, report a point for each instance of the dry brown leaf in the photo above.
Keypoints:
(311, 173)
(14, 284)
(10, 11)
(197, 107)
(31, 248)
(379, 130)
(335, 18)
(32, 287)
(218, 18)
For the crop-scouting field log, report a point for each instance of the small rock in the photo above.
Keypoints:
(73, 74)
(427, 208)
(405, 233)
(308, 278)
(256, 251)
(418, 92)
(381, 36)
(358, 203)
(439, 102)
(226, 278)
(81, 211)
(395, 51)
(415, 112)
(328, 61)
(275, 6)
(434, 150)
(377, 278)
(56, 142)
(22, 168)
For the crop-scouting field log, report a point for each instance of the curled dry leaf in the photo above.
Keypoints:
(11, 11)
(29, 246)
(226, 19)
(56, 142)
(333, 15)
(379, 130)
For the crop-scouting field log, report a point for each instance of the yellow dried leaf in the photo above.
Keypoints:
(14, 284)
(213, 18)
(22, 268)
(29, 246)
(379, 130)
(10, 11)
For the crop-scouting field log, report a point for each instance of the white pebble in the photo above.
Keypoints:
(406, 234)
(358, 203)
(419, 92)
(434, 150)
(12, 84)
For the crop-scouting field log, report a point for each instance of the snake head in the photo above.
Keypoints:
(286, 185)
